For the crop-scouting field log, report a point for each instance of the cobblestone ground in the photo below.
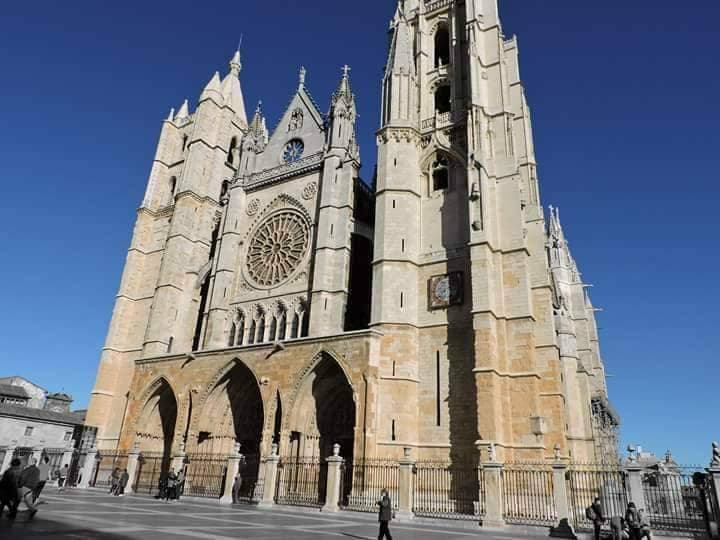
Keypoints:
(87, 514)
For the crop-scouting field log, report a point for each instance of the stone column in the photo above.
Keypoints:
(332, 491)
(271, 469)
(9, 453)
(634, 486)
(132, 468)
(233, 467)
(563, 529)
(492, 471)
(88, 468)
(178, 461)
(405, 490)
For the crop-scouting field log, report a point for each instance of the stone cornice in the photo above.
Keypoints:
(398, 134)
(286, 170)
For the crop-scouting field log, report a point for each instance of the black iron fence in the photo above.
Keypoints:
(364, 479)
(108, 462)
(151, 468)
(301, 481)
(445, 489)
(527, 490)
(674, 499)
(250, 488)
(205, 475)
(585, 482)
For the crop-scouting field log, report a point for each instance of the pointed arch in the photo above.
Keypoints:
(156, 423)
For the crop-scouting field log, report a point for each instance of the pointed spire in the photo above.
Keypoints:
(184, 111)
(401, 50)
(212, 87)
(344, 88)
(301, 78)
(258, 128)
(171, 116)
(231, 90)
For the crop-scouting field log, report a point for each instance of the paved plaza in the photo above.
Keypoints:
(89, 514)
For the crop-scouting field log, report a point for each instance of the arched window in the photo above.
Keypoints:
(442, 46)
(185, 140)
(295, 326)
(273, 329)
(231, 337)
(172, 188)
(241, 330)
(230, 155)
(282, 323)
(261, 330)
(440, 173)
(442, 99)
(251, 334)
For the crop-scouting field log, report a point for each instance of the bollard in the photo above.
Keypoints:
(563, 529)
(333, 481)
(233, 467)
(405, 490)
(271, 470)
(132, 468)
(88, 468)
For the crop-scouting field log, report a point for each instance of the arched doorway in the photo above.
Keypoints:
(232, 413)
(324, 413)
(154, 435)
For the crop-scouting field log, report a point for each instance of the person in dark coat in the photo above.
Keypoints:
(384, 515)
(9, 492)
(599, 518)
(122, 483)
(179, 484)
(632, 518)
(29, 480)
(170, 485)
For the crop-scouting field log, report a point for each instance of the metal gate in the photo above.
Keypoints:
(585, 482)
(205, 475)
(448, 490)
(107, 462)
(151, 467)
(675, 499)
(362, 481)
(250, 486)
(301, 481)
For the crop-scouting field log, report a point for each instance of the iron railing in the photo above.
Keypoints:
(364, 479)
(446, 489)
(528, 494)
(673, 500)
(250, 485)
(152, 466)
(301, 481)
(107, 462)
(205, 475)
(585, 482)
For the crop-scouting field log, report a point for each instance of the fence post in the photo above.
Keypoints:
(88, 468)
(233, 467)
(560, 497)
(178, 461)
(405, 487)
(492, 471)
(9, 453)
(634, 485)
(271, 469)
(132, 468)
(332, 493)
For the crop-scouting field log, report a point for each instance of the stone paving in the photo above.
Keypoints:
(89, 515)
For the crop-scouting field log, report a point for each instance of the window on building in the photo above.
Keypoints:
(231, 150)
(442, 99)
(68, 434)
(29, 431)
(172, 188)
(442, 46)
(440, 173)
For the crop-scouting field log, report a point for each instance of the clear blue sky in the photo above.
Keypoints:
(626, 108)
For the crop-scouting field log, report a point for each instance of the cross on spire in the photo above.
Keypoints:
(346, 71)
(303, 72)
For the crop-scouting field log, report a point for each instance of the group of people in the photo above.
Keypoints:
(633, 526)
(24, 485)
(118, 482)
(172, 485)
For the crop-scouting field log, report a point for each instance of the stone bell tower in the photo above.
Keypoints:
(460, 267)
(164, 288)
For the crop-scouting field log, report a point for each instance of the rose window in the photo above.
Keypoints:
(277, 248)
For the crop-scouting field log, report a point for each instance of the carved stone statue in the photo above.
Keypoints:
(715, 455)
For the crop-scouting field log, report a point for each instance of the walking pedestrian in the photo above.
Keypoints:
(62, 477)
(122, 483)
(29, 479)
(237, 486)
(384, 515)
(179, 484)
(598, 518)
(9, 494)
(114, 478)
(170, 485)
(44, 468)
(632, 518)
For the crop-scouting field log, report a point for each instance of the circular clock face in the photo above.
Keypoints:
(293, 151)
(442, 289)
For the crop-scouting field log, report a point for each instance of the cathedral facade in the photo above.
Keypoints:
(270, 296)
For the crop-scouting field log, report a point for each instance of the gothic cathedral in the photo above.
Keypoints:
(270, 296)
